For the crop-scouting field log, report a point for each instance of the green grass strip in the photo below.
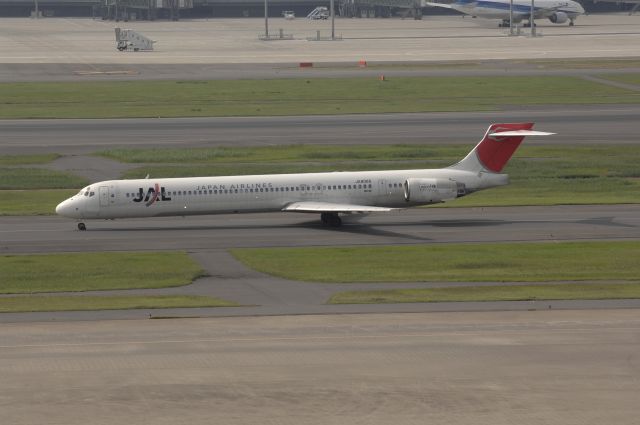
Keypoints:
(32, 202)
(90, 303)
(623, 78)
(38, 178)
(23, 274)
(590, 191)
(563, 161)
(288, 153)
(28, 159)
(566, 291)
(296, 96)
(497, 262)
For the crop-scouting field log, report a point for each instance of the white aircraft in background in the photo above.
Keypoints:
(328, 194)
(557, 11)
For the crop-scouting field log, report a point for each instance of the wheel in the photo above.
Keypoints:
(570, 23)
(331, 219)
(82, 227)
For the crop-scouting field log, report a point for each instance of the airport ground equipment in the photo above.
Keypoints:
(319, 12)
(129, 40)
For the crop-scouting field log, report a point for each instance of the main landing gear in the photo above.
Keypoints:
(82, 227)
(331, 219)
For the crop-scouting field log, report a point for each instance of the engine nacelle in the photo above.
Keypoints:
(429, 190)
(558, 17)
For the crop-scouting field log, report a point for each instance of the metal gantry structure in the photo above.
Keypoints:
(143, 9)
(379, 8)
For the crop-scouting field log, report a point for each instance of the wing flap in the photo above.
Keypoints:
(328, 207)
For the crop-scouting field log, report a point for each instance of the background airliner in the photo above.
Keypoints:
(557, 11)
(327, 194)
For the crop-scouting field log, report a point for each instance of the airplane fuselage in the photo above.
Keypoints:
(492, 9)
(264, 193)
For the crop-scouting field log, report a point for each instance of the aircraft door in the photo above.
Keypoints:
(383, 189)
(104, 196)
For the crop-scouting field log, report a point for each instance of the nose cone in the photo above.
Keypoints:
(62, 208)
(66, 209)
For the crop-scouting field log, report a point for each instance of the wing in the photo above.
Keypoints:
(321, 207)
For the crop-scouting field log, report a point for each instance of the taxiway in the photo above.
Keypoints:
(588, 124)
(569, 367)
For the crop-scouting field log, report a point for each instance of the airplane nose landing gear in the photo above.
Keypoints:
(82, 227)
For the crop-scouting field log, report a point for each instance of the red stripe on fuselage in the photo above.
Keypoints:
(155, 196)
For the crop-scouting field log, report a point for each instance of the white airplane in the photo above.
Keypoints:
(328, 194)
(557, 11)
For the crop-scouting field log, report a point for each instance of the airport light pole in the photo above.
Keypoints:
(266, 20)
(511, 17)
(531, 20)
(333, 25)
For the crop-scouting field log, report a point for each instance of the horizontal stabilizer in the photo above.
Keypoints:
(328, 207)
(521, 133)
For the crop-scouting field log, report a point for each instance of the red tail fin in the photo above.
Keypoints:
(494, 151)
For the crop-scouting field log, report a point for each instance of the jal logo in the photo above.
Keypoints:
(152, 195)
